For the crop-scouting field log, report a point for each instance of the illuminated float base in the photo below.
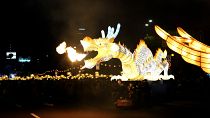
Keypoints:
(147, 77)
(150, 78)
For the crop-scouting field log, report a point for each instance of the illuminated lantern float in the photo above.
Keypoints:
(191, 50)
(139, 65)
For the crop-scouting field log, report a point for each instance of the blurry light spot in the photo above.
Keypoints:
(150, 21)
(81, 29)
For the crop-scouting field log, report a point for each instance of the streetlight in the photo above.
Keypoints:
(150, 21)
(146, 24)
(81, 29)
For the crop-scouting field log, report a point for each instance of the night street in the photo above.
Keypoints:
(173, 110)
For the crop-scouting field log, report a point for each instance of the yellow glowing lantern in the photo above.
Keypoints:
(191, 50)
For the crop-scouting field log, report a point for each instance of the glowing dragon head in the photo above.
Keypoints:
(104, 46)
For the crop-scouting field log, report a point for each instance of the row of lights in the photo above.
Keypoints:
(58, 77)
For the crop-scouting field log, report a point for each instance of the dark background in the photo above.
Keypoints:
(37, 27)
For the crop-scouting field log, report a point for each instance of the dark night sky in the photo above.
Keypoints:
(38, 26)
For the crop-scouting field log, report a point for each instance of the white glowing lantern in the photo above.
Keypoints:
(80, 56)
(61, 48)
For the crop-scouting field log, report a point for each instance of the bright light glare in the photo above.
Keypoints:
(73, 55)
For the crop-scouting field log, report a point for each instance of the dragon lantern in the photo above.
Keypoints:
(139, 65)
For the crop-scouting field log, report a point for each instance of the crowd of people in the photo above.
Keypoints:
(88, 91)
